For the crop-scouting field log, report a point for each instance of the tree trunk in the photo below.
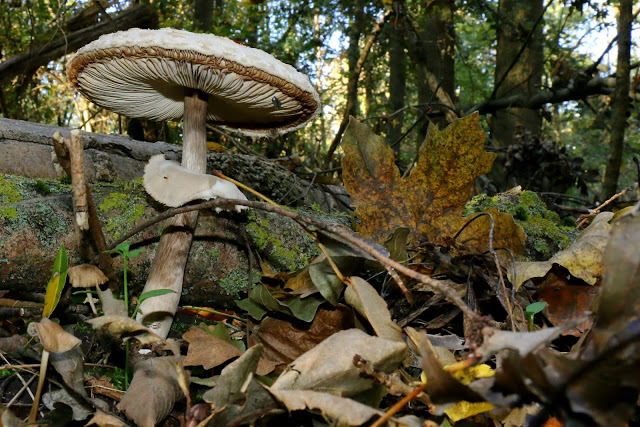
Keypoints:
(203, 17)
(435, 55)
(620, 100)
(519, 63)
(397, 76)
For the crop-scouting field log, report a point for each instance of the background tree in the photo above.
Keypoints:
(398, 65)
(620, 100)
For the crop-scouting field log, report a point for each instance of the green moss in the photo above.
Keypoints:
(545, 231)
(289, 259)
(115, 374)
(214, 254)
(9, 195)
(236, 281)
(125, 210)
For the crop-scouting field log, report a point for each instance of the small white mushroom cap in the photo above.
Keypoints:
(86, 276)
(143, 74)
(173, 185)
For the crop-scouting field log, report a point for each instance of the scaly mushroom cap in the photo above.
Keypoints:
(143, 74)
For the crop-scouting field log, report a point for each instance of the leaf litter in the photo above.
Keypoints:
(328, 337)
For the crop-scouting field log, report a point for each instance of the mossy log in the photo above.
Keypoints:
(36, 214)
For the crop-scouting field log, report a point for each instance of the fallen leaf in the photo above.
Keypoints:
(206, 350)
(506, 234)
(619, 302)
(368, 302)
(237, 396)
(261, 301)
(583, 258)
(102, 419)
(523, 342)
(430, 201)
(54, 339)
(464, 409)
(329, 365)
(153, 391)
(233, 376)
(111, 305)
(341, 410)
(70, 365)
(80, 408)
(125, 326)
(284, 340)
(566, 302)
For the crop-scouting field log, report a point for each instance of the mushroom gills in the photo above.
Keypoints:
(173, 185)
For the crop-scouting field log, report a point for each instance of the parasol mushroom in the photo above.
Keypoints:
(167, 74)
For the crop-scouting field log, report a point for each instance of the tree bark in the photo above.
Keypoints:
(620, 100)
(519, 64)
(29, 61)
(397, 76)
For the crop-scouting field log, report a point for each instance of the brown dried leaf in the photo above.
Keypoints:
(70, 365)
(342, 411)
(619, 303)
(285, 340)
(368, 302)
(207, 350)
(583, 258)
(329, 365)
(152, 392)
(102, 419)
(120, 325)
(430, 201)
(54, 339)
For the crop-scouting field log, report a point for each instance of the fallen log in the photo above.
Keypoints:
(36, 213)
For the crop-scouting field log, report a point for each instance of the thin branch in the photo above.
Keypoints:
(346, 235)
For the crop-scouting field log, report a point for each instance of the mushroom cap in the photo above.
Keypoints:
(86, 276)
(144, 73)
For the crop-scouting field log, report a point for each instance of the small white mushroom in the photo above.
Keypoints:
(87, 276)
(174, 185)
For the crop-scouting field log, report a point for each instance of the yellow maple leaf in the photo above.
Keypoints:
(430, 200)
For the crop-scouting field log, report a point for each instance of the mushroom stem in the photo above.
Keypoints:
(167, 271)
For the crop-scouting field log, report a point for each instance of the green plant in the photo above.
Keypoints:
(123, 250)
(532, 309)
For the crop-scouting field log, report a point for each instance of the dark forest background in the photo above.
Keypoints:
(555, 81)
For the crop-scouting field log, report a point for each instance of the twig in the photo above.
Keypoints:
(594, 212)
(344, 234)
(497, 262)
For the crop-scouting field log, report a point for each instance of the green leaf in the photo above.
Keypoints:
(135, 253)
(155, 293)
(301, 308)
(348, 261)
(220, 330)
(151, 294)
(124, 247)
(254, 310)
(56, 283)
(535, 307)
